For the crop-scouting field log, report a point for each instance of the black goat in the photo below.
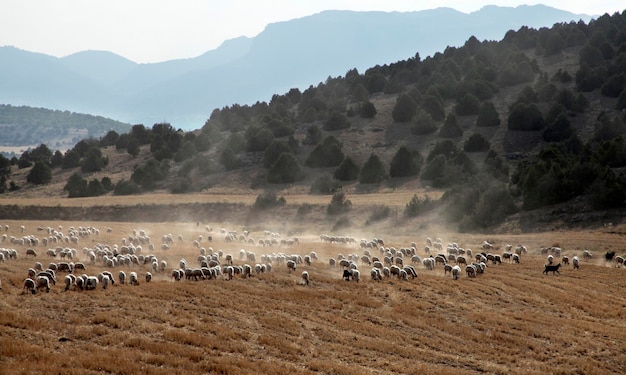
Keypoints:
(553, 268)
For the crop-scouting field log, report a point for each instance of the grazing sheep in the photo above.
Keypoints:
(575, 262)
(447, 268)
(552, 268)
(31, 252)
(516, 258)
(587, 254)
(456, 272)
(43, 282)
(410, 270)
(619, 261)
(565, 260)
(105, 281)
(122, 277)
(132, 279)
(376, 275)
(305, 277)
(356, 275)
(29, 285)
(148, 277)
(291, 265)
(163, 265)
(91, 283)
(332, 262)
(69, 281)
(470, 270)
(550, 259)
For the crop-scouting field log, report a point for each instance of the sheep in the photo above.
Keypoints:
(376, 275)
(148, 277)
(470, 270)
(447, 268)
(516, 258)
(43, 282)
(587, 254)
(619, 261)
(29, 286)
(356, 275)
(550, 259)
(122, 277)
(575, 263)
(69, 281)
(305, 277)
(456, 272)
(410, 270)
(565, 260)
(31, 252)
(91, 283)
(291, 265)
(132, 279)
(105, 281)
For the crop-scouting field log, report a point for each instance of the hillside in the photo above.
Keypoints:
(26, 127)
(290, 54)
(486, 130)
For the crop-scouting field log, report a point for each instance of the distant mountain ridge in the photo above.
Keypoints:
(295, 53)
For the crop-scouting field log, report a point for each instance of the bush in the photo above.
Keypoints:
(76, 186)
(40, 173)
(268, 200)
(614, 85)
(405, 163)
(70, 160)
(526, 117)
(336, 121)
(433, 106)
(338, 204)
(347, 170)
(559, 130)
(93, 161)
(367, 110)
(404, 109)
(373, 171)
(326, 154)
(273, 151)
(621, 101)
(418, 206)
(424, 124)
(124, 187)
(285, 170)
(450, 128)
(228, 159)
(378, 213)
(467, 105)
(313, 135)
(325, 184)
(488, 116)
(476, 143)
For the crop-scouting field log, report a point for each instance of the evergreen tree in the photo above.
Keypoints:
(40, 173)
(285, 170)
(347, 170)
(373, 171)
(405, 163)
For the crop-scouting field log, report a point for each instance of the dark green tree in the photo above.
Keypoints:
(76, 186)
(286, 170)
(336, 121)
(424, 124)
(229, 159)
(526, 117)
(71, 160)
(348, 170)
(93, 161)
(326, 154)
(186, 152)
(132, 147)
(404, 109)
(57, 159)
(405, 163)
(450, 128)
(273, 152)
(488, 116)
(476, 143)
(367, 110)
(559, 130)
(467, 105)
(40, 173)
(95, 188)
(373, 171)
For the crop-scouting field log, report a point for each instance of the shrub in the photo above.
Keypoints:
(347, 170)
(450, 128)
(70, 160)
(76, 186)
(526, 117)
(614, 85)
(338, 204)
(404, 109)
(433, 106)
(405, 163)
(285, 170)
(418, 206)
(326, 154)
(373, 171)
(336, 121)
(476, 143)
(378, 213)
(228, 159)
(124, 187)
(424, 124)
(367, 110)
(93, 161)
(268, 200)
(313, 135)
(40, 173)
(467, 105)
(488, 116)
(325, 184)
(273, 151)
(559, 130)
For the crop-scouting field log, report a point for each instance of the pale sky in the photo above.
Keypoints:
(158, 30)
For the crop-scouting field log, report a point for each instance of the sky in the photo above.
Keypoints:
(147, 31)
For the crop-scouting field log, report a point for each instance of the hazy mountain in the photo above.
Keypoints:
(295, 53)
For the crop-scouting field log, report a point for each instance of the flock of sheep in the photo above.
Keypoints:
(126, 262)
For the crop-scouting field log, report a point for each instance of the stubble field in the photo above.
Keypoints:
(511, 319)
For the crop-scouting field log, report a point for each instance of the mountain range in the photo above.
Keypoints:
(291, 54)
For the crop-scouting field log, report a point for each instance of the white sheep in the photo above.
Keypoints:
(132, 278)
(356, 275)
(163, 265)
(43, 282)
(148, 277)
(29, 285)
(376, 274)
(456, 272)
(291, 265)
(305, 277)
(69, 281)
(122, 277)
(575, 264)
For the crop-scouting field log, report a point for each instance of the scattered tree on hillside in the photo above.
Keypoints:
(40, 173)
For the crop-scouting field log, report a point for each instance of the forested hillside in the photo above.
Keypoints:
(497, 126)
(24, 126)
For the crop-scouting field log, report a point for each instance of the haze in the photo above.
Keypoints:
(157, 30)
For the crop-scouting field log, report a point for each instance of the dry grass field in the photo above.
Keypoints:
(510, 320)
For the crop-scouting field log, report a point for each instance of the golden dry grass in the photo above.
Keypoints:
(512, 319)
